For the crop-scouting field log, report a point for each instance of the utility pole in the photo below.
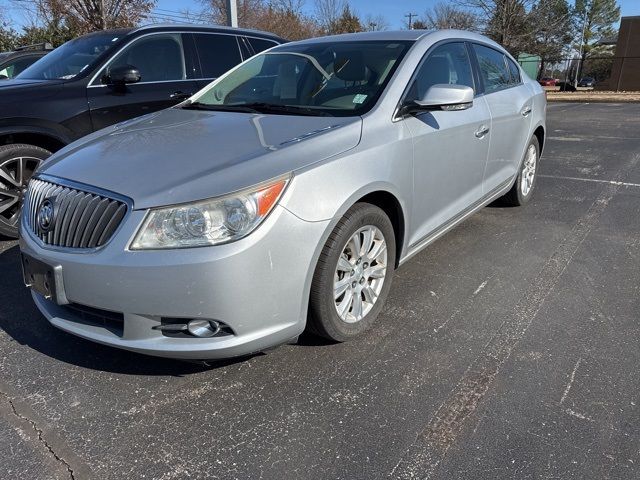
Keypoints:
(579, 68)
(232, 13)
(410, 17)
(103, 17)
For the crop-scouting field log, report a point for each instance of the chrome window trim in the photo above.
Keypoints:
(108, 62)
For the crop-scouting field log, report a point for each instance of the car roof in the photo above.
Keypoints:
(406, 35)
(207, 28)
(397, 35)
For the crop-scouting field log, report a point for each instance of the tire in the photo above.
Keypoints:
(366, 276)
(17, 164)
(525, 183)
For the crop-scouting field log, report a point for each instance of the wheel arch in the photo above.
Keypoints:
(382, 196)
(539, 133)
(391, 206)
(37, 137)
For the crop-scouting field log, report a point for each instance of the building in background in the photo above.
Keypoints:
(530, 64)
(625, 72)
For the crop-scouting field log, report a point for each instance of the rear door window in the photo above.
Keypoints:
(260, 44)
(514, 70)
(493, 68)
(217, 52)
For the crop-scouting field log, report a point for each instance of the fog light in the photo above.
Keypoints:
(203, 328)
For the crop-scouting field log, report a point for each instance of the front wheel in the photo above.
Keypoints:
(525, 183)
(17, 164)
(353, 275)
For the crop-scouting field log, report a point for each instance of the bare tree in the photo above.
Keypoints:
(90, 15)
(328, 12)
(372, 23)
(445, 15)
(282, 17)
(248, 11)
(294, 6)
(505, 21)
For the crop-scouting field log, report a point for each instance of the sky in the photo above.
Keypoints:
(393, 10)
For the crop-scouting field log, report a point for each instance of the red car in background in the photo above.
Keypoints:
(547, 82)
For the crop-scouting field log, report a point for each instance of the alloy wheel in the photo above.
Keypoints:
(360, 274)
(15, 174)
(528, 170)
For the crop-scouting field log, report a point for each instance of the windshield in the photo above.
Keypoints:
(72, 58)
(341, 79)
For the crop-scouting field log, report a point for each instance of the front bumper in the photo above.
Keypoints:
(258, 286)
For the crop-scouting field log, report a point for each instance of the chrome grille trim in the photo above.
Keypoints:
(84, 218)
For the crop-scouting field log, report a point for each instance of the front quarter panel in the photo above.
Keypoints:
(382, 162)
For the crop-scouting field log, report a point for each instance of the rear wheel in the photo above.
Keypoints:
(525, 183)
(17, 164)
(353, 275)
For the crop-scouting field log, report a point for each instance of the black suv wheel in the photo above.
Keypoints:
(17, 164)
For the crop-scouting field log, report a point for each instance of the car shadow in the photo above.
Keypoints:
(22, 321)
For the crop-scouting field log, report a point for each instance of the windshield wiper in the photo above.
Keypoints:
(264, 107)
(257, 107)
(219, 108)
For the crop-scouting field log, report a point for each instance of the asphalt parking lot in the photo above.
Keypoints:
(508, 349)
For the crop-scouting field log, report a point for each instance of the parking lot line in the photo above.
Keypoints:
(594, 180)
(425, 454)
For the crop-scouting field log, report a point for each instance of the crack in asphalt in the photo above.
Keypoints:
(425, 454)
(40, 435)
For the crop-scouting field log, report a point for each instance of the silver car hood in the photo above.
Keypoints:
(178, 155)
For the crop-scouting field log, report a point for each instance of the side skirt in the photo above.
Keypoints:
(459, 218)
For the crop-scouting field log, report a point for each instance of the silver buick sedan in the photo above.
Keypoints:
(280, 197)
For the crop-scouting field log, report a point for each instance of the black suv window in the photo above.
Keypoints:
(449, 64)
(158, 57)
(493, 68)
(260, 45)
(218, 53)
(515, 71)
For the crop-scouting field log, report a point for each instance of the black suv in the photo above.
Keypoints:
(14, 62)
(100, 79)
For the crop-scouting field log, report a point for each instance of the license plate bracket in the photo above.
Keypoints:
(44, 279)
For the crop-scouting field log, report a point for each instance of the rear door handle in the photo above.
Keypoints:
(482, 131)
(525, 111)
(180, 95)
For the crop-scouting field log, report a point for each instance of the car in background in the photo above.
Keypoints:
(282, 196)
(103, 78)
(14, 62)
(587, 82)
(547, 82)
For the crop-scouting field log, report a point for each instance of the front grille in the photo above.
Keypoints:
(77, 219)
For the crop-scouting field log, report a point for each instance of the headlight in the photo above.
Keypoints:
(208, 222)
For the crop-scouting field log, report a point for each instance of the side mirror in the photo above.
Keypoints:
(122, 75)
(442, 97)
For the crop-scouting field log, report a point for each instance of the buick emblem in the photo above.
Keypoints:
(45, 215)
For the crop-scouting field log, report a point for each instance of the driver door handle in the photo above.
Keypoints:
(525, 111)
(180, 95)
(482, 131)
